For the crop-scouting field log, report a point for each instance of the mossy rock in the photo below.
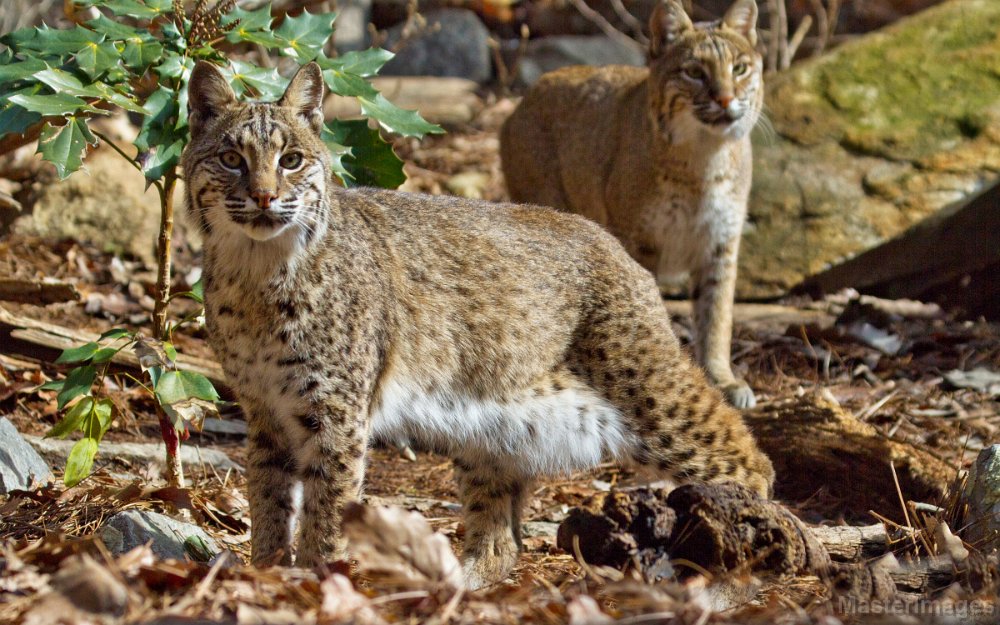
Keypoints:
(870, 139)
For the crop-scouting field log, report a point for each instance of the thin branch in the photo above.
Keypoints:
(630, 21)
(134, 162)
(796, 40)
(606, 27)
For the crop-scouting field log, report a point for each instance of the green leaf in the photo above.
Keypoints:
(175, 66)
(140, 54)
(303, 36)
(20, 70)
(364, 63)
(71, 422)
(146, 10)
(77, 354)
(371, 161)
(51, 385)
(63, 82)
(15, 119)
(50, 41)
(162, 159)
(265, 83)
(77, 383)
(65, 147)
(175, 386)
(198, 291)
(105, 354)
(100, 419)
(112, 29)
(171, 351)
(97, 58)
(346, 84)
(397, 120)
(57, 104)
(253, 27)
(114, 333)
(159, 125)
(80, 461)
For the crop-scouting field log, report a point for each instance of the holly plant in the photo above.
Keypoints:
(137, 55)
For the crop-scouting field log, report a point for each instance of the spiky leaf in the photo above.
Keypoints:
(65, 147)
(15, 119)
(395, 119)
(97, 58)
(140, 53)
(371, 161)
(20, 70)
(51, 41)
(264, 83)
(253, 26)
(147, 9)
(364, 63)
(54, 104)
(303, 36)
(345, 84)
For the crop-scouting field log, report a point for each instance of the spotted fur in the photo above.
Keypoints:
(659, 155)
(519, 341)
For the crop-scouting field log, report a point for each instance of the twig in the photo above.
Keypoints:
(629, 20)
(606, 27)
(796, 41)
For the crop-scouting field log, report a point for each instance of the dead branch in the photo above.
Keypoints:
(37, 291)
(606, 27)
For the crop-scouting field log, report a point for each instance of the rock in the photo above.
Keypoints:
(21, 468)
(104, 204)
(439, 100)
(982, 495)
(57, 451)
(166, 536)
(871, 138)
(351, 26)
(452, 43)
(551, 53)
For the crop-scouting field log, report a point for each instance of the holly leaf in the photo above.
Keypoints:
(161, 123)
(65, 147)
(394, 119)
(175, 66)
(346, 84)
(77, 383)
(20, 70)
(65, 83)
(141, 53)
(265, 83)
(303, 36)
(51, 41)
(364, 63)
(57, 104)
(371, 161)
(15, 119)
(80, 461)
(77, 354)
(161, 159)
(97, 58)
(253, 26)
(177, 386)
(71, 422)
(145, 10)
(112, 29)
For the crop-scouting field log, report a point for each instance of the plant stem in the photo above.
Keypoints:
(163, 255)
(175, 473)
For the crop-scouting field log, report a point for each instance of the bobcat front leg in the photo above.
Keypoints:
(713, 289)
(270, 466)
(331, 465)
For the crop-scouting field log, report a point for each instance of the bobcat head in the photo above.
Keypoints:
(705, 75)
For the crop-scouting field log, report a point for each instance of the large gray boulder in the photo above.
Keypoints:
(166, 536)
(982, 495)
(870, 139)
(550, 53)
(21, 468)
(452, 43)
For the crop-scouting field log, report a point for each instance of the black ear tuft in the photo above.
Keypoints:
(305, 95)
(742, 17)
(208, 94)
(668, 22)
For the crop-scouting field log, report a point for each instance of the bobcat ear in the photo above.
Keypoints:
(742, 17)
(208, 94)
(305, 95)
(669, 21)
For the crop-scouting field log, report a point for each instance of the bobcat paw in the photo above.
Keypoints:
(739, 395)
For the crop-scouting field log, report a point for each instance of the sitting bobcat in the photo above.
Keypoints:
(658, 155)
(519, 341)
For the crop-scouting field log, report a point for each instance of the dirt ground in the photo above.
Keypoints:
(885, 364)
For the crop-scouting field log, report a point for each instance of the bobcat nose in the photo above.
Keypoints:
(724, 100)
(263, 197)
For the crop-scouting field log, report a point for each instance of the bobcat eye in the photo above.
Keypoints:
(740, 68)
(231, 159)
(290, 161)
(694, 72)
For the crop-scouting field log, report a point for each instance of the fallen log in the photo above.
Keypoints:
(42, 340)
(37, 291)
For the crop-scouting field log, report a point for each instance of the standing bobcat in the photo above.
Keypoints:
(519, 341)
(659, 155)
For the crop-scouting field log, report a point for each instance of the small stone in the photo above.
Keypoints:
(166, 537)
(21, 468)
(982, 495)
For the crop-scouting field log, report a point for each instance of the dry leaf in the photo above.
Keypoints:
(401, 545)
(342, 603)
(583, 610)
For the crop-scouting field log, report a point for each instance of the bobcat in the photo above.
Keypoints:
(658, 155)
(517, 340)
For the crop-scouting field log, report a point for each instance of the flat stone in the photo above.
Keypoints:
(56, 451)
(166, 536)
(539, 529)
(21, 468)
(225, 427)
(982, 495)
